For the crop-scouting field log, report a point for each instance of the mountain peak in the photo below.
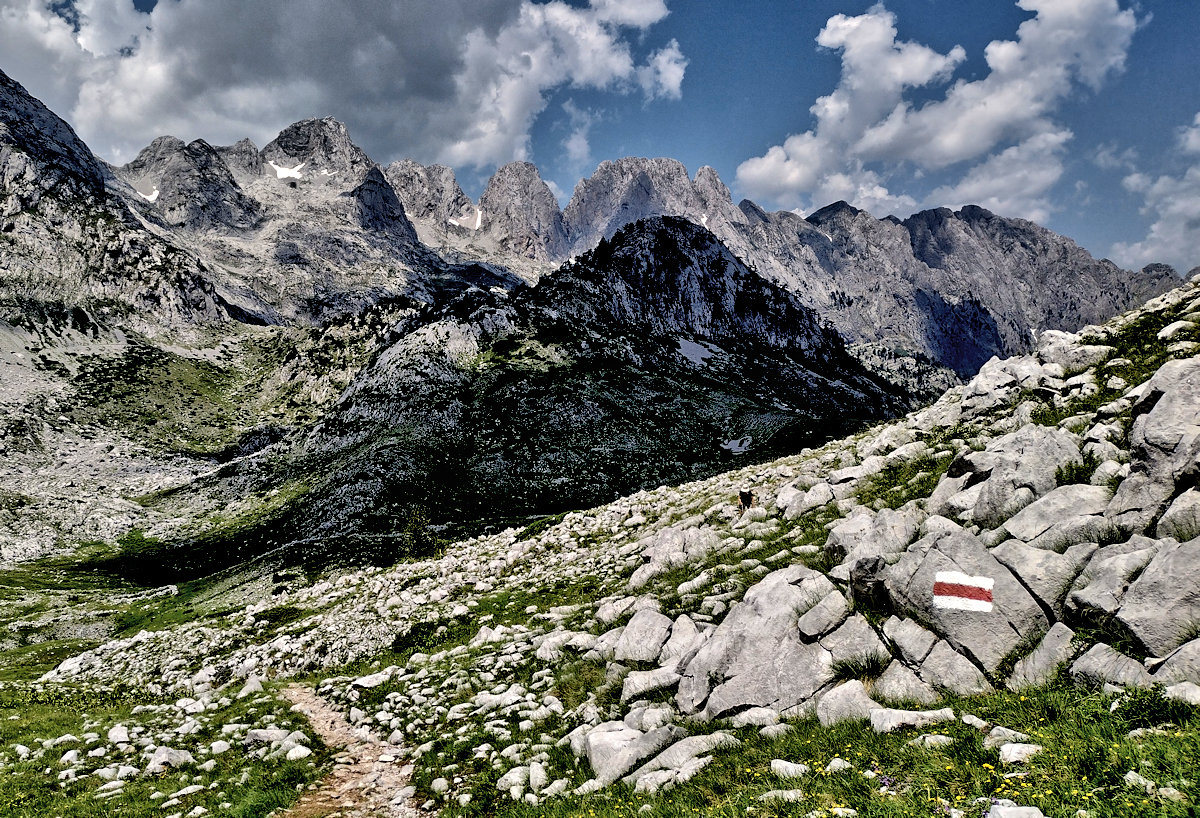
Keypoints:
(521, 213)
(322, 146)
(377, 208)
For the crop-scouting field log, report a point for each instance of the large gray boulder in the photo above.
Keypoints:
(846, 702)
(899, 684)
(985, 636)
(1047, 575)
(755, 658)
(1066, 516)
(644, 637)
(1162, 606)
(1164, 444)
(1039, 667)
(913, 641)
(1181, 666)
(947, 669)
(868, 534)
(1014, 470)
(1100, 588)
(1102, 665)
(855, 641)
(613, 749)
(1182, 520)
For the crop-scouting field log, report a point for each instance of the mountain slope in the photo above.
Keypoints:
(654, 358)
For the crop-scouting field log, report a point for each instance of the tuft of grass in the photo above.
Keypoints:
(1081, 472)
(864, 668)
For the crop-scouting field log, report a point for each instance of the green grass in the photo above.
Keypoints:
(1080, 472)
(29, 715)
(900, 482)
(1086, 753)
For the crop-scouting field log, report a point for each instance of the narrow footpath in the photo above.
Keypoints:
(368, 779)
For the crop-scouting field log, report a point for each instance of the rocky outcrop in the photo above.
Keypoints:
(319, 149)
(521, 214)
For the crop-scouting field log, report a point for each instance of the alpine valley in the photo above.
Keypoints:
(468, 471)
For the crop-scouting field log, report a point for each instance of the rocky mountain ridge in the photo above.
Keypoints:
(1040, 522)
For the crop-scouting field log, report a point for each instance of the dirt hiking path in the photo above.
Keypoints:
(368, 779)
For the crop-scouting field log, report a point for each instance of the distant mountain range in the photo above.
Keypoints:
(329, 344)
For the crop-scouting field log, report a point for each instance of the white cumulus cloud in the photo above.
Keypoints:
(870, 126)
(1173, 202)
(457, 81)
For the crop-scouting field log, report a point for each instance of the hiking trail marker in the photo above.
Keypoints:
(962, 592)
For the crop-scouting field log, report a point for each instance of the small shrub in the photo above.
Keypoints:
(1149, 707)
(1074, 473)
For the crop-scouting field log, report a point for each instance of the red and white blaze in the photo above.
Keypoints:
(953, 589)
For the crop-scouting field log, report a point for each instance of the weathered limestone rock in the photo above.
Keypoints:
(1047, 575)
(1181, 666)
(913, 641)
(613, 749)
(899, 684)
(755, 658)
(1162, 607)
(1018, 753)
(1065, 349)
(885, 720)
(855, 641)
(823, 617)
(640, 682)
(1066, 516)
(945, 668)
(1182, 520)
(846, 702)
(643, 637)
(677, 755)
(868, 534)
(986, 636)
(1164, 444)
(1103, 665)
(1039, 667)
(815, 497)
(1014, 470)
(683, 640)
(1102, 585)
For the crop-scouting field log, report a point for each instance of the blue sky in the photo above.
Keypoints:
(1079, 114)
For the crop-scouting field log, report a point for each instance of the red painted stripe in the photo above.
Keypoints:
(965, 591)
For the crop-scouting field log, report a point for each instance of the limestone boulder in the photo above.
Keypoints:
(947, 669)
(1164, 444)
(899, 684)
(1101, 586)
(846, 702)
(855, 642)
(755, 657)
(1102, 665)
(1183, 665)
(1039, 667)
(913, 641)
(986, 636)
(1066, 516)
(1162, 606)
(1181, 521)
(1047, 575)
(867, 534)
(643, 638)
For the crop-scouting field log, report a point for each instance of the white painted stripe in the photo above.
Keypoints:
(958, 603)
(959, 578)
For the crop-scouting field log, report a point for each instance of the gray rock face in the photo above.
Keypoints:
(625, 190)
(521, 214)
(243, 160)
(1066, 514)
(1039, 667)
(987, 637)
(1103, 665)
(429, 193)
(913, 641)
(1162, 607)
(190, 186)
(755, 658)
(1181, 666)
(614, 749)
(1182, 520)
(323, 146)
(855, 641)
(1102, 585)
(1164, 444)
(846, 702)
(378, 209)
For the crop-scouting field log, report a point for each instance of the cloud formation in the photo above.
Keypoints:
(456, 81)
(869, 127)
(1173, 202)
